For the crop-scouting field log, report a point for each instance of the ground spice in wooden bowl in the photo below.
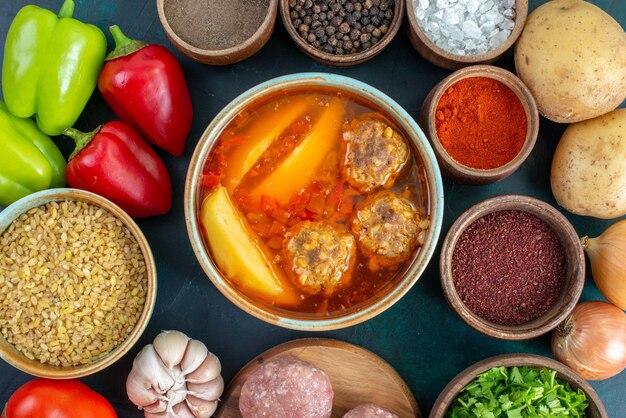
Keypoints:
(509, 267)
(215, 24)
(481, 123)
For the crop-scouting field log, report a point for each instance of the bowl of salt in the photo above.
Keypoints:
(456, 33)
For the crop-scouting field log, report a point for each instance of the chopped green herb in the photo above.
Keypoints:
(518, 392)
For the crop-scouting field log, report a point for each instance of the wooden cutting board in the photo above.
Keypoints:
(358, 376)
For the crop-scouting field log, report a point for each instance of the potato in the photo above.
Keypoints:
(589, 167)
(572, 56)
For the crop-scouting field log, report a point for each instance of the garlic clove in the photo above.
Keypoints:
(140, 390)
(171, 346)
(207, 371)
(201, 408)
(149, 368)
(194, 356)
(183, 411)
(208, 391)
(158, 406)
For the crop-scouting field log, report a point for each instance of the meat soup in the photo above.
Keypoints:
(313, 201)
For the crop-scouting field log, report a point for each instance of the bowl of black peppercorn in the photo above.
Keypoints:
(342, 33)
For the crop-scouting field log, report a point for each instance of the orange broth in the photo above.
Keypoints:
(327, 197)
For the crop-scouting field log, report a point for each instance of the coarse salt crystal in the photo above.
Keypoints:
(466, 27)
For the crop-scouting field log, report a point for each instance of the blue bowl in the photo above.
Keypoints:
(308, 322)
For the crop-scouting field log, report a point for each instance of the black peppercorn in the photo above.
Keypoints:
(365, 37)
(349, 7)
(319, 32)
(344, 28)
(376, 21)
(365, 20)
(354, 34)
(317, 8)
(376, 33)
(308, 4)
(384, 29)
(311, 38)
(330, 30)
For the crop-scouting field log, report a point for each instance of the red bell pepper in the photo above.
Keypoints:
(115, 162)
(145, 86)
(41, 398)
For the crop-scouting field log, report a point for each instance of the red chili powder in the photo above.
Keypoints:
(481, 123)
(508, 267)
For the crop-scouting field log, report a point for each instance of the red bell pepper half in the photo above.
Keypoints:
(145, 86)
(115, 162)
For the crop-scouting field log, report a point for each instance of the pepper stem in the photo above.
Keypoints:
(67, 10)
(81, 139)
(123, 44)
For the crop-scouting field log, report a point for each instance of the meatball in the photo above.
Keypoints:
(319, 256)
(374, 154)
(388, 229)
(287, 387)
(369, 411)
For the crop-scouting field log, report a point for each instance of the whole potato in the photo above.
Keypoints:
(572, 56)
(589, 167)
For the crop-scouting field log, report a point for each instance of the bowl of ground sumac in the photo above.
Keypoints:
(482, 122)
(512, 267)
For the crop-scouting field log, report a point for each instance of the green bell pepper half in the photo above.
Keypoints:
(29, 160)
(51, 66)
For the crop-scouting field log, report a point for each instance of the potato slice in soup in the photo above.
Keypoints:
(238, 253)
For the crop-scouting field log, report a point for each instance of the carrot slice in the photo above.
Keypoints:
(299, 168)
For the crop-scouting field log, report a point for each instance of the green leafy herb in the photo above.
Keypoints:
(518, 392)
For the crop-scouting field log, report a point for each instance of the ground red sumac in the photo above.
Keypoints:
(509, 267)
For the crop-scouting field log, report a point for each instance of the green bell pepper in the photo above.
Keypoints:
(51, 66)
(29, 160)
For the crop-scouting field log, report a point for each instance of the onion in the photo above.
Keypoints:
(607, 254)
(592, 340)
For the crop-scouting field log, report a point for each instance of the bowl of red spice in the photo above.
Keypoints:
(482, 122)
(218, 32)
(512, 267)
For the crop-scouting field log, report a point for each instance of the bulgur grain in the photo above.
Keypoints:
(63, 267)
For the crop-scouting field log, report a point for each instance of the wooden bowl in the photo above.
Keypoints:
(575, 274)
(414, 267)
(457, 171)
(358, 376)
(223, 56)
(18, 360)
(451, 391)
(350, 60)
(445, 59)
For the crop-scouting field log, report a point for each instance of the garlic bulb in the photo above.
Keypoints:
(175, 377)
(607, 254)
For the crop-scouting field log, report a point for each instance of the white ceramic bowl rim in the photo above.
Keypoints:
(402, 118)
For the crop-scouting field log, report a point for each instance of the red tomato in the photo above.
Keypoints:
(43, 398)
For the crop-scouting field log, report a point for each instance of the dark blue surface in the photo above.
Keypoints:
(420, 336)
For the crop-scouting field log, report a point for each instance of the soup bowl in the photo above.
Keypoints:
(409, 273)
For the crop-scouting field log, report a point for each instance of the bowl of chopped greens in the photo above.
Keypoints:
(518, 385)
